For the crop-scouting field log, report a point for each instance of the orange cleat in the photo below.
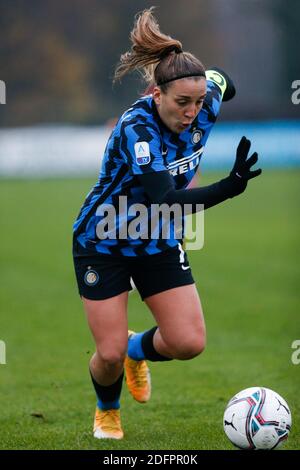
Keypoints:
(138, 378)
(107, 424)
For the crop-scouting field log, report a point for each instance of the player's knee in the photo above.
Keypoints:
(189, 348)
(111, 357)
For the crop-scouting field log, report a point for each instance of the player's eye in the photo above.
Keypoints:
(184, 103)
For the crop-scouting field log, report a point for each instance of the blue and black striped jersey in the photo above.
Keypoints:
(141, 143)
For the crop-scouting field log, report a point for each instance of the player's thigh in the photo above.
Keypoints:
(179, 316)
(108, 323)
(103, 284)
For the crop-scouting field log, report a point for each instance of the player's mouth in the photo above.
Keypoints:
(184, 125)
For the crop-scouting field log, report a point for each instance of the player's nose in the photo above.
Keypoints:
(191, 112)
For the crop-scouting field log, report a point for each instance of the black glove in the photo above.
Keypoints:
(240, 173)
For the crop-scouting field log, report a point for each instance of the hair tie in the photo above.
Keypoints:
(178, 49)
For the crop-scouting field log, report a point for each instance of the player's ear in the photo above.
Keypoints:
(156, 95)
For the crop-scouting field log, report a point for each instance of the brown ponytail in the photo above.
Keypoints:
(157, 56)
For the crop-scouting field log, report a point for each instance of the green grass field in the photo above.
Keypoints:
(247, 275)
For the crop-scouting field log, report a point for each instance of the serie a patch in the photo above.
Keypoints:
(142, 153)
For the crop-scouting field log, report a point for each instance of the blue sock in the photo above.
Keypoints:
(135, 350)
(140, 347)
(108, 405)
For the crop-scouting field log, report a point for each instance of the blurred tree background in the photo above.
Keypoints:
(57, 57)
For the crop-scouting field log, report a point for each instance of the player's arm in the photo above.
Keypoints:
(160, 186)
(141, 148)
(223, 81)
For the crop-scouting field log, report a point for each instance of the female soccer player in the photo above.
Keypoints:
(150, 158)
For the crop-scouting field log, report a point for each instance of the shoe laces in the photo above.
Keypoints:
(110, 419)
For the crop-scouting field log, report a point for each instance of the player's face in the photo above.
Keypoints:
(183, 100)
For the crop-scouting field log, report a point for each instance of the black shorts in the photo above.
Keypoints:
(102, 276)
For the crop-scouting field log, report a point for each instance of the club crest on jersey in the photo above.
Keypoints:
(91, 277)
(196, 136)
(142, 153)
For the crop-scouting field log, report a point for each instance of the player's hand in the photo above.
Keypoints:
(241, 172)
(242, 166)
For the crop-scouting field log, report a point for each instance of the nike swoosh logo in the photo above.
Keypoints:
(185, 267)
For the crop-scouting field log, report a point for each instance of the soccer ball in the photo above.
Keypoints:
(257, 418)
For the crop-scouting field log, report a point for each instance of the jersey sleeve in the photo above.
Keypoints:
(141, 148)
